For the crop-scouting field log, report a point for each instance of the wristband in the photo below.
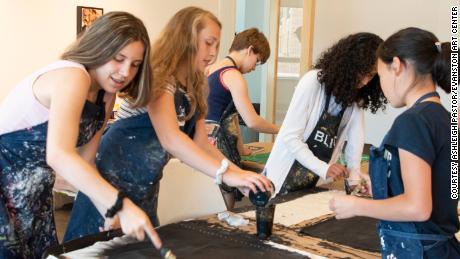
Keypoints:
(223, 168)
(111, 212)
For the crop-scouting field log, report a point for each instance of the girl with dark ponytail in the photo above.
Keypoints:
(410, 172)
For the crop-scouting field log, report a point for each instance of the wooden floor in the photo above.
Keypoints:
(61, 218)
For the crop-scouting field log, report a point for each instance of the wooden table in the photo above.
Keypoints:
(253, 166)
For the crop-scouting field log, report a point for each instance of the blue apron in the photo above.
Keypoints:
(321, 142)
(131, 158)
(225, 137)
(401, 239)
(27, 226)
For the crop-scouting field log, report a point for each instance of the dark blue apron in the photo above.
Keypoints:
(401, 239)
(131, 158)
(225, 137)
(226, 140)
(27, 226)
(321, 142)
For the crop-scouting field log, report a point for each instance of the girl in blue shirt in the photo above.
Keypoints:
(410, 172)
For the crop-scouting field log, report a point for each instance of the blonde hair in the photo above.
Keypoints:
(178, 44)
(101, 42)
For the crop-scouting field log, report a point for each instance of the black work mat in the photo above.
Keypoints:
(356, 232)
(189, 239)
(199, 239)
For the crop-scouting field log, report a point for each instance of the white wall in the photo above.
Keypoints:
(254, 13)
(337, 18)
(35, 33)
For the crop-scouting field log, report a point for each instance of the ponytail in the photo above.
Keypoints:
(441, 67)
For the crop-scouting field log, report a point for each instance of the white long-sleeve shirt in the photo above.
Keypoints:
(302, 116)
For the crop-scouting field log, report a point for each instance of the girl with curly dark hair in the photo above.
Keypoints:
(327, 108)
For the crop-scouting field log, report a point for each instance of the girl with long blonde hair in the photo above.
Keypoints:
(171, 123)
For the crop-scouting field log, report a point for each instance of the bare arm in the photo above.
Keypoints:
(239, 90)
(163, 116)
(415, 204)
(89, 150)
(62, 156)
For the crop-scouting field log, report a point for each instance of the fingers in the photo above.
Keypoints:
(247, 179)
(244, 190)
(267, 183)
(153, 235)
(258, 181)
(251, 185)
(140, 235)
(336, 171)
(261, 181)
(332, 204)
(333, 208)
(136, 223)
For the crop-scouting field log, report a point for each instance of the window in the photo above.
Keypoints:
(289, 47)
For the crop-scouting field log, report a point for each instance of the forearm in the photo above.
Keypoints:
(398, 208)
(214, 152)
(99, 206)
(203, 158)
(261, 125)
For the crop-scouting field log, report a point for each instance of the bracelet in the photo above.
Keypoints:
(111, 212)
(223, 168)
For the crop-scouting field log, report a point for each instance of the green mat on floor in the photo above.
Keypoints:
(257, 158)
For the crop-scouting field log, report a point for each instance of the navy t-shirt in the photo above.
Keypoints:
(424, 130)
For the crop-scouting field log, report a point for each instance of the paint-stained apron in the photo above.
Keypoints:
(27, 226)
(224, 135)
(401, 239)
(321, 142)
(131, 158)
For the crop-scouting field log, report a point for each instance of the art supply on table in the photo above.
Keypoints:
(347, 186)
(232, 219)
(166, 253)
(255, 149)
(265, 212)
(264, 220)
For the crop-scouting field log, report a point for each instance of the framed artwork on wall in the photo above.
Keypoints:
(86, 16)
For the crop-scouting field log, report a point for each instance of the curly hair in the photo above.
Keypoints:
(345, 64)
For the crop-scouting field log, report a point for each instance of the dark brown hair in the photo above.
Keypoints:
(252, 37)
(343, 66)
(107, 36)
(419, 46)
